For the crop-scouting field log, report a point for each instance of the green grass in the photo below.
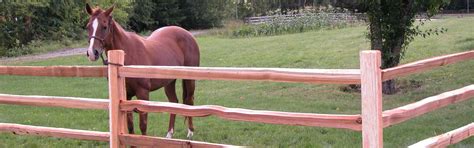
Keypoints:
(336, 48)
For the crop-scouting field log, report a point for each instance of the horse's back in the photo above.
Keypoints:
(183, 39)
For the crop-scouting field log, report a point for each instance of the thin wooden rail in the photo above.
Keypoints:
(400, 114)
(54, 132)
(448, 138)
(139, 140)
(49, 101)
(337, 76)
(55, 71)
(426, 64)
(303, 119)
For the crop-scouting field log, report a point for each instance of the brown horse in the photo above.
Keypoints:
(167, 46)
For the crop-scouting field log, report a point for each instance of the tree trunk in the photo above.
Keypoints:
(376, 40)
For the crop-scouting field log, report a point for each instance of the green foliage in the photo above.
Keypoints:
(190, 14)
(203, 13)
(392, 25)
(17, 23)
(333, 49)
(150, 15)
(121, 10)
(27, 21)
(24, 22)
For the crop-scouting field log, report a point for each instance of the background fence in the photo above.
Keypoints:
(333, 17)
(371, 122)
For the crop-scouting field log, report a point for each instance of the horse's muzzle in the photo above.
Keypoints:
(96, 54)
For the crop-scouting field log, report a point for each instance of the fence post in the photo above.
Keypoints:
(371, 95)
(117, 119)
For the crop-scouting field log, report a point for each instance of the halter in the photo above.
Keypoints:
(102, 41)
(108, 32)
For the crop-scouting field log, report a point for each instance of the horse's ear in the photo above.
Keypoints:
(88, 9)
(109, 11)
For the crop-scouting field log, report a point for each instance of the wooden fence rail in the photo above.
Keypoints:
(135, 140)
(370, 76)
(55, 71)
(54, 132)
(400, 114)
(448, 138)
(352, 122)
(49, 101)
(148, 141)
(426, 64)
(332, 76)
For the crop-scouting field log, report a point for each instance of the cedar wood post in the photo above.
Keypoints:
(117, 118)
(371, 95)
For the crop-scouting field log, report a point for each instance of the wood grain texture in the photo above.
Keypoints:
(400, 114)
(424, 65)
(302, 119)
(55, 71)
(50, 101)
(53, 132)
(448, 138)
(139, 140)
(117, 118)
(371, 93)
(332, 76)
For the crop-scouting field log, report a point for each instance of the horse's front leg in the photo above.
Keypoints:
(170, 91)
(143, 94)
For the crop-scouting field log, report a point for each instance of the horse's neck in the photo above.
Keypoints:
(129, 42)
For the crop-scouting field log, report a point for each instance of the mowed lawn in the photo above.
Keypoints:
(336, 48)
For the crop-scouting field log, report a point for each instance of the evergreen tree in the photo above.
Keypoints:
(141, 15)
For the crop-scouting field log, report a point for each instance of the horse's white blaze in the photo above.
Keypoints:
(95, 24)
(170, 134)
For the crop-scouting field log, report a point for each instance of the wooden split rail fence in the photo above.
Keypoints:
(371, 121)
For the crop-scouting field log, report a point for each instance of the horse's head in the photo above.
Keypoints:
(100, 31)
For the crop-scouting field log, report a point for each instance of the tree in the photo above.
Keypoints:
(391, 28)
(141, 16)
(204, 14)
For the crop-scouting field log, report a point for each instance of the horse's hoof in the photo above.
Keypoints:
(190, 134)
(169, 134)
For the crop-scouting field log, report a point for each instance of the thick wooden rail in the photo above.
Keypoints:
(337, 76)
(303, 119)
(54, 132)
(139, 140)
(400, 114)
(49, 101)
(427, 64)
(55, 71)
(448, 138)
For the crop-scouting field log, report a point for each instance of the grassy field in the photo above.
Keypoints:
(338, 48)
